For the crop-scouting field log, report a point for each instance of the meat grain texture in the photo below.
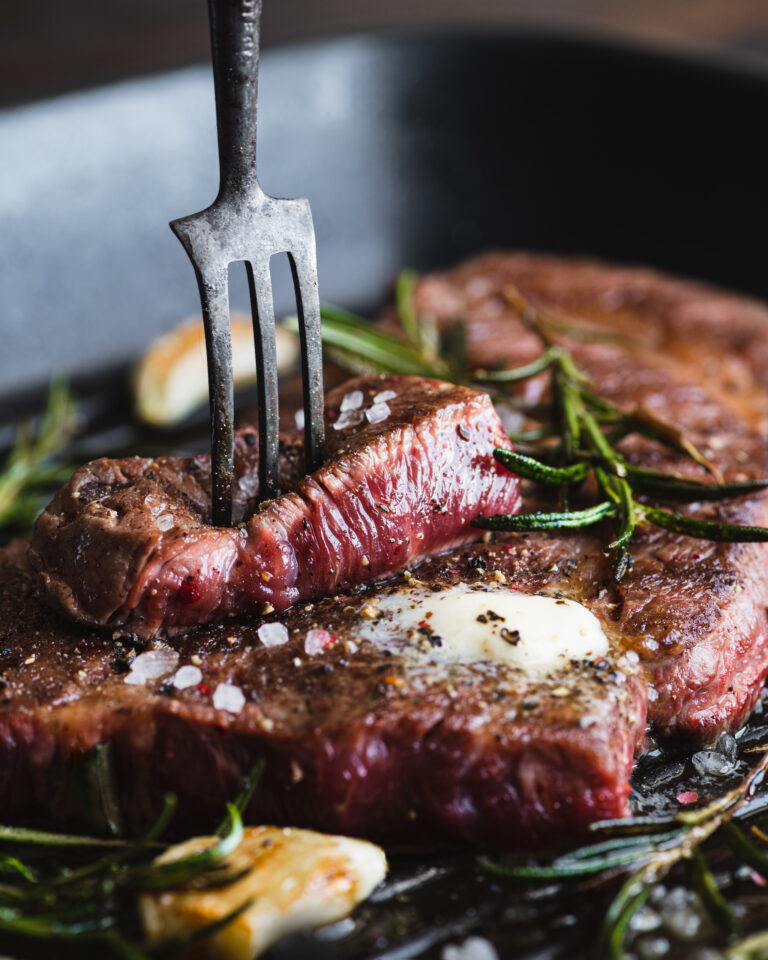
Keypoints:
(128, 544)
(387, 741)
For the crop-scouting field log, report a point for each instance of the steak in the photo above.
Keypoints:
(385, 739)
(366, 739)
(128, 543)
(692, 610)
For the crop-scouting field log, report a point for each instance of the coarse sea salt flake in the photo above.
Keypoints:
(352, 401)
(164, 521)
(473, 948)
(316, 641)
(249, 484)
(229, 697)
(151, 665)
(187, 676)
(378, 412)
(273, 634)
(384, 396)
(349, 418)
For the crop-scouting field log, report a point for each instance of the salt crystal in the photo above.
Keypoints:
(249, 484)
(649, 948)
(378, 412)
(710, 763)
(151, 665)
(645, 920)
(384, 396)
(473, 948)
(349, 418)
(727, 745)
(164, 521)
(316, 641)
(299, 419)
(187, 676)
(229, 697)
(680, 913)
(352, 401)
(273, 634)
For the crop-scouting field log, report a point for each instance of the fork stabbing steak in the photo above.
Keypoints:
(388, 741)
(128, 543)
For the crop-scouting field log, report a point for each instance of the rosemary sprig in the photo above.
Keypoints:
(365, 347)
(539, 365)
(89, 898)
(176, 873)
(548, 521)
(533, 469)
(406, 283)
(668, 487)
(581, 416)
(651, 847)
(31, 464)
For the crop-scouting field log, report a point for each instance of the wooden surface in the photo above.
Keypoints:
(51, 46)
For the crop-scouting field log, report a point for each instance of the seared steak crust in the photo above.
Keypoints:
(128, 543)
(383, 742)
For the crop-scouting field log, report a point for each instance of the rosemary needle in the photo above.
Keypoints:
(539, 365)
(668, 487)
(705, 529)
(533, 469)
(547, 521)
(89, 905)
(30, 465)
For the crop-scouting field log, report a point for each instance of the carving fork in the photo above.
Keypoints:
(243, 223)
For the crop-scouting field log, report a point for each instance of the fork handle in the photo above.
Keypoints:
(235, 37)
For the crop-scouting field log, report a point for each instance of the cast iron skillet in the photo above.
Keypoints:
(414, 151)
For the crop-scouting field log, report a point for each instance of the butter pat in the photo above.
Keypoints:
(297, 879)
(535, 633)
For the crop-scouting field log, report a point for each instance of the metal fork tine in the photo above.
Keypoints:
(304, 269)
(214, 298)
(260, 285)
(244, 224)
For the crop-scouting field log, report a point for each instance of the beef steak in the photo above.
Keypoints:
(128, 543)
(361, 738)
(387, 740)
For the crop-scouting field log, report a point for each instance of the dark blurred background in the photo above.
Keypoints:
(409, 148)
(51, 46)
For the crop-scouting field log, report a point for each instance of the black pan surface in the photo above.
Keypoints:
(414, 151)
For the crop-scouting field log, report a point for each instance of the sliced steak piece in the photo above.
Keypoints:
(381, 740)
(128, 543)
(694, 611)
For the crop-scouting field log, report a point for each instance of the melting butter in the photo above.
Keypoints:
(536, 633)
